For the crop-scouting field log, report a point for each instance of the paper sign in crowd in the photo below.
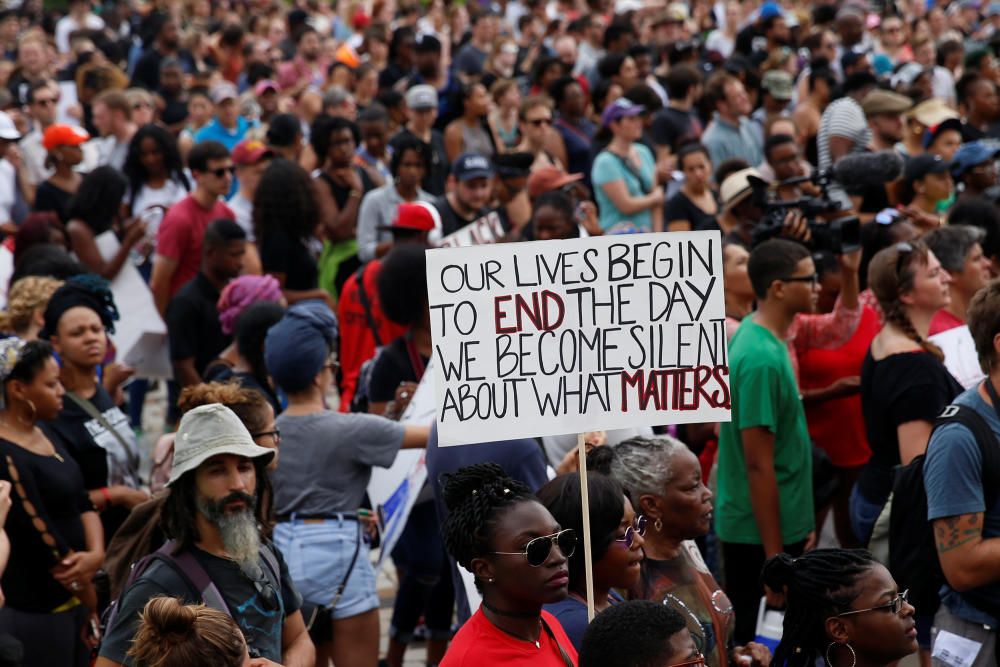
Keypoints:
(547, 338)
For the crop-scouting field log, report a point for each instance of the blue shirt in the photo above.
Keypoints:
(724, 140)
(953, 479)
(572, 616)
(608, 168)
(228, 138)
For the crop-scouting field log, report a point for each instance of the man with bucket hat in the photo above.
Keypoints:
(216, 554)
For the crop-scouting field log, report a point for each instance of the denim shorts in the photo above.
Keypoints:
(318, 556)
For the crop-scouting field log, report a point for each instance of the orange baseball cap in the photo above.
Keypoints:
(64, 135)
(545, 179)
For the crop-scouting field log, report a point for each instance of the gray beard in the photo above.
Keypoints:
(239, 532)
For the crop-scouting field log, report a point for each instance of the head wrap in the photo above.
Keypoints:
(88, 290)
(10, 354)
(241, 293)
(297, 347)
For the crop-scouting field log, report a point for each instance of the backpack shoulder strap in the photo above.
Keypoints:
(986, 440)
(272, 562)
(187, 566)
(366, 304)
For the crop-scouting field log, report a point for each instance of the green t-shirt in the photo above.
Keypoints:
(764, 393)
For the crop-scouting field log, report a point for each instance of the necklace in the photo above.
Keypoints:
(517, 614)
(28, 437)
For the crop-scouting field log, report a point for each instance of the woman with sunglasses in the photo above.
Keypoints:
(904, 386)
(517, 552)
(56, 543)
(843, 607)
(616, 546)
(320, 484)
(663, 478)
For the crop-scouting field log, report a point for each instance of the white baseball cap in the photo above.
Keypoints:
(7, 129)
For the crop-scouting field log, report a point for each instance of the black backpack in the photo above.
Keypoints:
(913, 557)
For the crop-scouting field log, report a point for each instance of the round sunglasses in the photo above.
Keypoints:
(638, 527)
(537, 550)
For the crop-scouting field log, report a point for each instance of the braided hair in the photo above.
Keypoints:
(475, 497)
(817, 585)
(890, 274)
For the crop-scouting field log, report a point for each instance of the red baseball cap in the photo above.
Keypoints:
(63, 135)
(250, 151)
(418, 216)
(544, 179)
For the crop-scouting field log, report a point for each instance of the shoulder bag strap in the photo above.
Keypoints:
(350, 569)
(632, 170)
(91, 409)
(416, 361)
(565, 656)
(366, 304)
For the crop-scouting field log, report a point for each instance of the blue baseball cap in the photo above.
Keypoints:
(472, 165)
(769, 9)
(972, 153)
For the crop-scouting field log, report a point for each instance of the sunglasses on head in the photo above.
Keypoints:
(537, 550)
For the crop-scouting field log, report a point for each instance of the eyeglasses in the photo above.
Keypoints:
(222, 171)
(698, 659)
(638, 527)
(539, 122)
(811, 278)
(895, 606)
(275, 435)
(332, 363)
(537, 550)
(45, 102)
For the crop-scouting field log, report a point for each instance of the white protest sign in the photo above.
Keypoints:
(484, 230)
(555, 337)
(393, 491)
(140, 335)
(960, 356)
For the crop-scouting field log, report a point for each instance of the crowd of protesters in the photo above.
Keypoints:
(265, 178)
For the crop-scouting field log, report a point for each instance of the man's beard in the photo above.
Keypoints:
(238, 529)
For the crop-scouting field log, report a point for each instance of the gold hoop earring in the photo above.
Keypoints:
(854, 656)
(658, 524)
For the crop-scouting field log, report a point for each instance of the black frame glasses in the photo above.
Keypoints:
(812, 278)
(895, 606)
(275, 435)
(638, 527)
(537, 550)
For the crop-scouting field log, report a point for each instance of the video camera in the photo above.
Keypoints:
(838, 235)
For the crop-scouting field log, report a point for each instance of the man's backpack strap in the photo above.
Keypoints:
(187, 566)
(986, 439)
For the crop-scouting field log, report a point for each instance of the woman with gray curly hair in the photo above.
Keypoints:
(662, 478)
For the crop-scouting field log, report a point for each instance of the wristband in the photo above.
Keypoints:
(107, 496)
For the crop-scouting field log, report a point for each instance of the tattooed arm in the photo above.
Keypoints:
(967, 559)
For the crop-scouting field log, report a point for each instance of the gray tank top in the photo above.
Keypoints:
(476, 140)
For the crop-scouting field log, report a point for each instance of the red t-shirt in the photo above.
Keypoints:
(943, 321)
(180, 234)
(479, 643)
(357, 344)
